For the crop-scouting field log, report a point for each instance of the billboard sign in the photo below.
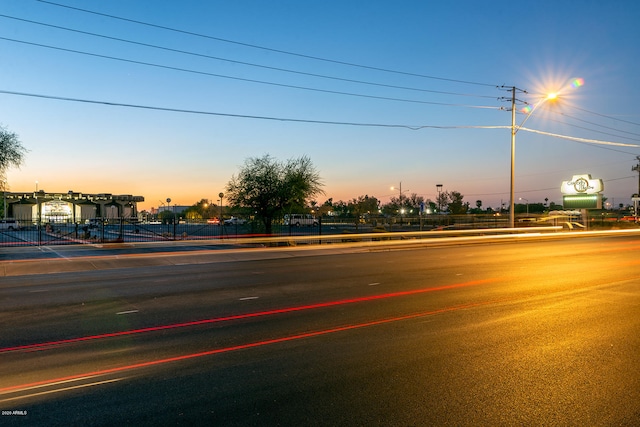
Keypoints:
(582, 184)
(582, 192)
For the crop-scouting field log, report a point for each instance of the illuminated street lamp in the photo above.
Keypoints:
(400, 192)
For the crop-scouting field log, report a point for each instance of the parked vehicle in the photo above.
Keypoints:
(234, 221)
(296, 220)
(9, 224)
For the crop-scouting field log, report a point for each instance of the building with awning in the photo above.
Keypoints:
(68, 207)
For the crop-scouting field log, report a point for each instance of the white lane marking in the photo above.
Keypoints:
(50, 384)
(48, 249)
(62, 389)
(247, 298)
(128, 312)
(374, 284)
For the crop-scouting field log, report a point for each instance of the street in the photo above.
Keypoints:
(532, 332)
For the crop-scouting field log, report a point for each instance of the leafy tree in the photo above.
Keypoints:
(167, 217)
(11, 154)
(456, 205)
(200, 210)
(341, 208)
(478, 208)
(442, 200)
(413, 202)
(407, 203)
(11, 150)
(271, 188)
(326, 207)
(363, 205)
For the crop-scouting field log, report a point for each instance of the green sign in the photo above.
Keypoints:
(582, 201)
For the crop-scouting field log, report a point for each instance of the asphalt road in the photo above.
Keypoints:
(517, 333)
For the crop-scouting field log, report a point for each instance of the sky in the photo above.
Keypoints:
(168, 99)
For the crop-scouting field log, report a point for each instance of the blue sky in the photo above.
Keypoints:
(449, 61)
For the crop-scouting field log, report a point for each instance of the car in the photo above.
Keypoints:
(528, 219)
(9, 224)
(214, 221)
(234, 221)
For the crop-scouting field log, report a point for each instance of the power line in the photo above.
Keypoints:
(586, 140)
(148, 64)
(599, 125)
(594, 130)
(317, 58)
(606, 116)
(283, 119)
(201, 55)
(243, 116)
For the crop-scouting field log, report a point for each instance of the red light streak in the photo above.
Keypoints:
(256, 344)
(39, 346)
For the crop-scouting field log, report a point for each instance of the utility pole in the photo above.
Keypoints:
(514, 130)
(513, 158)
(637, 169)
(637, 195)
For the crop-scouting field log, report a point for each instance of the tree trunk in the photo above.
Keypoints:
(268, 224)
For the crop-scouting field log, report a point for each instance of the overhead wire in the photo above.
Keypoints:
(571, 117)
(250, 64)
(168, 67)
(600, 125)
(587, 140)
(594, 130)
(605, 116)
(295, 54)
(584, 140)
(244, 116)
(284, 52)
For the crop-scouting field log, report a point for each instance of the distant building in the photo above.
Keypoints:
(173, 209)
(70, 206)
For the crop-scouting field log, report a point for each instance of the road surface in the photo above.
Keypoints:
(517, 333)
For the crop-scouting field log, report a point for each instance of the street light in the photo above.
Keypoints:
(221, 195)
(400, 192)
(439, 190)
(522, 198)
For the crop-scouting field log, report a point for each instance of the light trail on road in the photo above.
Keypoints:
(50, 344)
(311, 334)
